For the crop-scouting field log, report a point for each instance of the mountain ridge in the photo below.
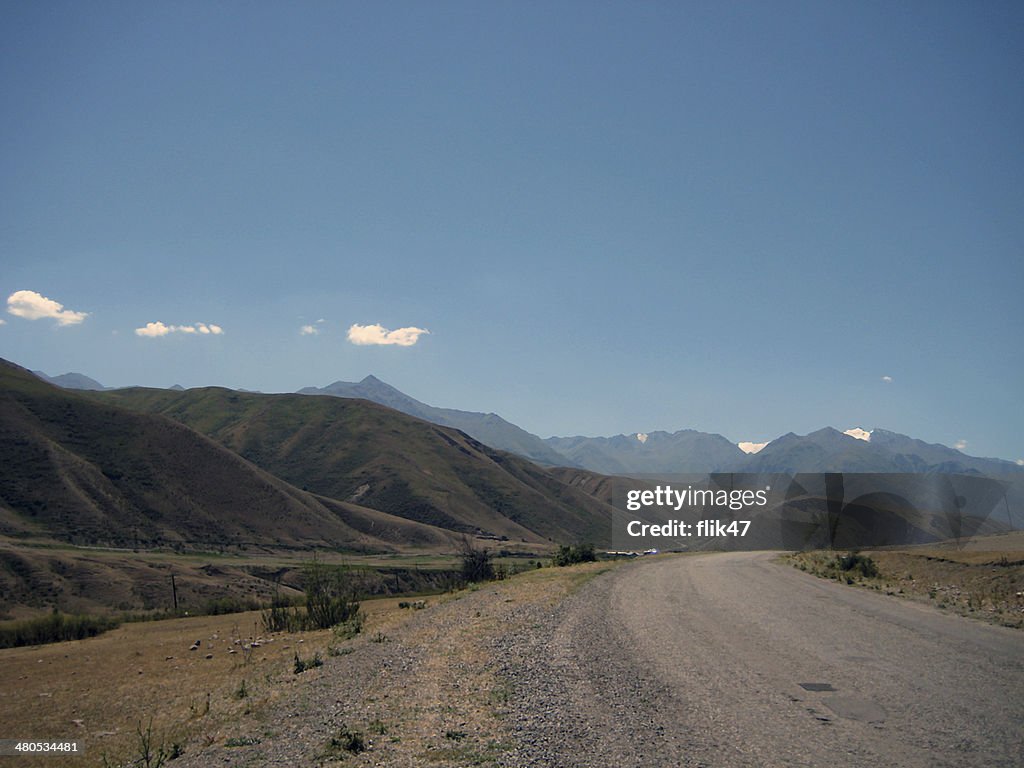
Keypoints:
(685, 450)
(362, 452)
(488, 428)
(83, 471)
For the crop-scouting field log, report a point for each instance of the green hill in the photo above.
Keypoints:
(362, 452)
(88, 472)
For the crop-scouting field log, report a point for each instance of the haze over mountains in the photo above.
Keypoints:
(71, 381)
(687, 450)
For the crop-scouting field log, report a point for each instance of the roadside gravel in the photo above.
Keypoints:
(582, 699)
(434, 687)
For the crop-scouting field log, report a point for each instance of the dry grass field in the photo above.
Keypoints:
(232, 698)
(982, 577)
(36, 576)
(104, 689)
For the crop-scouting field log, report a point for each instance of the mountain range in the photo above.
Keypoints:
(212, 467)
(660, 452)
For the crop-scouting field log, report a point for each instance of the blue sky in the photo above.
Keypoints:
(610, 217)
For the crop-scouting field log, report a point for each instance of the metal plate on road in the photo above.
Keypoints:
(817, 687)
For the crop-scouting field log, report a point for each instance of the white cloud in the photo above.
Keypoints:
(960, 445)
(308, 330)
(887, 379)
(34, 306)
(860, 434)
(1020, 462)
(748, 447)
(158, 329)
(377, 334)
(642, 437)
(153, 330)
(2, 321)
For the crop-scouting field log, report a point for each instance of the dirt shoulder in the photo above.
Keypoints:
(981, 579)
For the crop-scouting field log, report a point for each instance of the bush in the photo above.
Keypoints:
(301, 665)
(330, 595)
(581, 553)
(476, 563)
(283, 616)
(55, 628)
(857, 563)
(330, 602)
(349, 741)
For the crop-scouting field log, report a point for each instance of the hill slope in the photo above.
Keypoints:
(365, 453)
(87, 472)
(488, 428)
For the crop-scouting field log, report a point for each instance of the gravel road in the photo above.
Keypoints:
(735, 660)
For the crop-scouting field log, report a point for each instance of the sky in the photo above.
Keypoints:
(590, 217)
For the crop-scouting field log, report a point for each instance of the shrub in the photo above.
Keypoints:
(476, 563)
(350, 741)
(580, 553)
(301, 665)
(330, 595)
(330, 602)
(283, 616)
(857, 563)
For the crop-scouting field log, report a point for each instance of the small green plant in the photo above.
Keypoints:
(501, 694)
(241, 692)
(346, 630)
(150, 755)
(348, 741)
(335, 651)
(455, 735)
(242, 741)
(199, 710)
(380, 637)
(378, 727)
(301, 665)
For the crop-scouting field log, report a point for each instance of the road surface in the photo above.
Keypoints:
(733, 659)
